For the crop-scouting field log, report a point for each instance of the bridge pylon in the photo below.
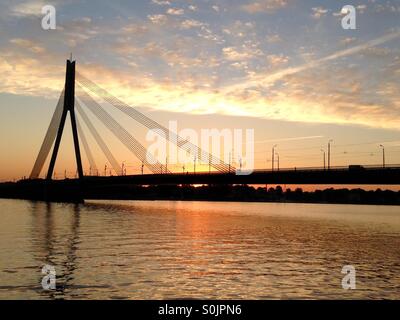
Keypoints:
(69, 106)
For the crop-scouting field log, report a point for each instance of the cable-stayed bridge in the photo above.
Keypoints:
(80, 95)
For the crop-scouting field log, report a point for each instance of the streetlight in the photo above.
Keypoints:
(277, 154)
(230, 157)
(273, 156)
(105, 170)
(323, 151)
(329, 154)
(123, 168)
(383, 156)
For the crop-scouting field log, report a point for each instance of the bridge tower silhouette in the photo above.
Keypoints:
(69, 106)
(65, 105)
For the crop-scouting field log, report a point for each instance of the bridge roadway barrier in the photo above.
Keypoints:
(335, 176)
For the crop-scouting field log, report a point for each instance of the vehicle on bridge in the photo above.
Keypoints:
(356, 167)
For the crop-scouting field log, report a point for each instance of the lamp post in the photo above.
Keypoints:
(123, 168)
(277, 154)
(273, 156)
(329, 154)
(230, 158)
(383, 156)
(324, 153)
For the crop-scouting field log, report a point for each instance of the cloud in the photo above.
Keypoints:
(273, 38)
(233, 54)
(28, 8)
(191, 23)
(161, 2)
(309, 96)
(291, 139)
(319, 12)
(386, 7)
(159, 19)
(361, 8)
(175, 11)
(25, 75)
(277, 60)
(240, 65)
(134, 28)
(28, 44)
(157, 63)
(268, 6)
(348, 40)
(260, 80)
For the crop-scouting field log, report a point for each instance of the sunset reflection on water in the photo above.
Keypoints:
(171, 250)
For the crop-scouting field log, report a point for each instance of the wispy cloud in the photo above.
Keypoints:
(319, 12)
(260, 80)
(30, 8)
(175, 11)
(28, 44)
(268, 6)
(291, 139)
(188, 62)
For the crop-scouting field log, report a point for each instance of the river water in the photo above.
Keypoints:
(178, 250)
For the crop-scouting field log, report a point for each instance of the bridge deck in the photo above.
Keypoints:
(361, 176)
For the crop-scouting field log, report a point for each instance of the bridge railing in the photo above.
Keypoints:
(261, 171)
(334, 168)
(295, 169)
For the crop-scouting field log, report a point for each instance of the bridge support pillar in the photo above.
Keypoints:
(69, 106)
